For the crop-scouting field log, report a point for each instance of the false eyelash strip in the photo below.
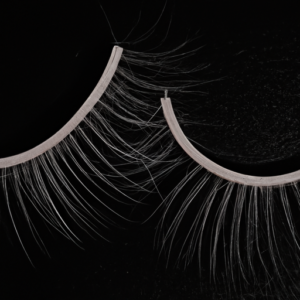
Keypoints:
(118, 136)
(253, 219)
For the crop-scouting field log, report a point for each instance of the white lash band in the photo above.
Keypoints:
(214, 168)
(76, 119)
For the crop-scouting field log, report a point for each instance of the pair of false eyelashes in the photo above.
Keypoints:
(125, 101)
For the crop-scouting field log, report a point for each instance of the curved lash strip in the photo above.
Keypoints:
(121, 103)
(260, 181)
(251, 219)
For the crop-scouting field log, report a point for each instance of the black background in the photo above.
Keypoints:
(127, 268)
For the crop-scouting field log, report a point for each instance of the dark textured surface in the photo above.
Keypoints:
(250, 112)
(126, 269)
(129, 267)
(256, 104)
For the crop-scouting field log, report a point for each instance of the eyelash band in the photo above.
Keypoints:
(71, 125)
(216, 169)
(251, 219)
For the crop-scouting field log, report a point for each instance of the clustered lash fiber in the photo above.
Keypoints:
(128, 105)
